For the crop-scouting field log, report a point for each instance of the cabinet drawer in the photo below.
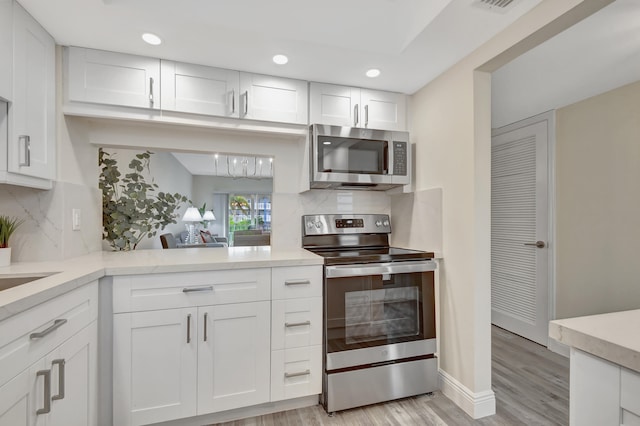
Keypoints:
(132, 293)
(297, 281)
(296, 372)
(630, 391)
(29, 335)
(296, 323)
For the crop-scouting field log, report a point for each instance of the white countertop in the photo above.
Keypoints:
(75, 272)
(613, 336)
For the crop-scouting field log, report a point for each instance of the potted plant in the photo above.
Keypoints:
(132, 209)
(8, 225)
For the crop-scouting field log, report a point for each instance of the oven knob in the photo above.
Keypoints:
(309, 225)
(378, 223)
(385, 223)
(318, 225)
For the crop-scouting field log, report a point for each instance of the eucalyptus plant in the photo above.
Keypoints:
(8, 225)
(132, 208)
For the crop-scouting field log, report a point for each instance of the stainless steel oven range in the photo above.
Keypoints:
(379, 312)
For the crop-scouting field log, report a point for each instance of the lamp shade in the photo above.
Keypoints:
(208, 215)
(192, 215)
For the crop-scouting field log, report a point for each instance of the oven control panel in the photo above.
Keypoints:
(327, 224)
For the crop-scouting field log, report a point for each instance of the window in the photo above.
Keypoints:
(249, 219)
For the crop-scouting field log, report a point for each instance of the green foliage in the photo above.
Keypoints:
(131, 207)
(8, 225)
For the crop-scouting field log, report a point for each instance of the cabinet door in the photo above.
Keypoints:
(154, 366)
(74, 371)
(200, 90)
(233, 356)
(273, 99)
(16, 400)
(113, 78)
(31, 149)
(334, 105)
(383, 110)
(296, 372)
(6, 50)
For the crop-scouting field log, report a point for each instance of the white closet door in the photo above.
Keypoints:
(519, 220)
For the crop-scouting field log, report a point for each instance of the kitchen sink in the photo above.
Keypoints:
(9, 282)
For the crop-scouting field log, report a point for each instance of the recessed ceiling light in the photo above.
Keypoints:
(280, 59)
(373, 72)
(151, 39)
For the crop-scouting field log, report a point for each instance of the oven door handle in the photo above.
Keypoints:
(338, 271)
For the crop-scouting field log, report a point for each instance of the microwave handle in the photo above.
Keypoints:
(355, 115)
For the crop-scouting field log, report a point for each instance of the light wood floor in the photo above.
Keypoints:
(531, 385)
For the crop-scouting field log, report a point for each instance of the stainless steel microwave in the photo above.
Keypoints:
(354, 158)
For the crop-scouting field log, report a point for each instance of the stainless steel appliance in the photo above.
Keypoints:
(379, 312)
(346, 157)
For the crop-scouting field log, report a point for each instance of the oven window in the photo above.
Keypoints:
(348, 155)
(378, 309)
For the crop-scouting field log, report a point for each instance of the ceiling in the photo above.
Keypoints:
(226, 165)
(333, 41)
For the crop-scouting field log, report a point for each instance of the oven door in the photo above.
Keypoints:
(376, 313)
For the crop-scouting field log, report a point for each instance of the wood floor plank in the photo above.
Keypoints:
(531, 385)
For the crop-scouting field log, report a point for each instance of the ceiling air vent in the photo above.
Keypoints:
(500, 6)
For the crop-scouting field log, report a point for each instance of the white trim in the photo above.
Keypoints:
(477, 405)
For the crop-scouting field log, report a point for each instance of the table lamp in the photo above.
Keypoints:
(191, 216)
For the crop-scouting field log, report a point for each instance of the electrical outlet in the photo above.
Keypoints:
(75, 219)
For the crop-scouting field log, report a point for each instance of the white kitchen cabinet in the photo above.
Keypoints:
(154, 366)
(200, 90)
(355, 107)
(296, 332)
(49, 358)
(270, 98)
(190, 344)
(110, 78)
(6, 50)
(30, 158)
(233, 356)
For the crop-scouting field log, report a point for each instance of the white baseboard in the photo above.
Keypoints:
(477, 405)
(559, 348)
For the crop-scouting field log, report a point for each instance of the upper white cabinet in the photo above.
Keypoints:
(30, 119)
(200, 90)
(269, 98)
(6, 49)
(112, 78)
(355, 107)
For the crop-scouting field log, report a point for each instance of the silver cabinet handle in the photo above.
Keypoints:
(299, 373)
(27, 150)
(539, 244)
(366, 115)
(355, 115)
(206, 315)
(296, 324)
(61, 377)
(56, 324)
(151, 90)
(47, 391)
(195, 289)
(189, 328)
(246, 102)
(296, 282)
(233, 101)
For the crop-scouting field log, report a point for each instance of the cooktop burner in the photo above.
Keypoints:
(337, 256)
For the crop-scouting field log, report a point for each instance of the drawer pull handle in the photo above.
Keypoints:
(299, 373)
(47, 391)
(296, 324)
(61, 377)
(56, 324)
(194, 289)
(296, 282)
(189, 328)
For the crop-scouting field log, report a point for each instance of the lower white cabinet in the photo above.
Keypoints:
(60, 387)
(602, 393)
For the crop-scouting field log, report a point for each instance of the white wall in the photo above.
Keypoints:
(451, 126)
(598, 204)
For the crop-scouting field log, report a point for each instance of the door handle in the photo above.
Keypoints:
(355, 115)
(61, 378)
(27, 150)
(151, 91)
(188, 328)
(366, 116)
(538, 244)
(233, 101)
(246, 102)
(47, 391)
